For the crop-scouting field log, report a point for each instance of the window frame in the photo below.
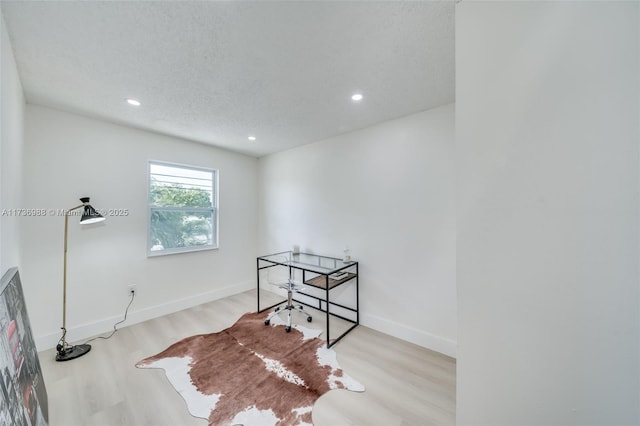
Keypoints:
(215, 208)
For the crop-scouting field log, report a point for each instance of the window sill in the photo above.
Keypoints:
(169, 252)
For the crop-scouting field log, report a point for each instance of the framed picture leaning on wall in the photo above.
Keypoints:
(21, 382)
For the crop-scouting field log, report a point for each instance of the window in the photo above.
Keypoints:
(183, 212)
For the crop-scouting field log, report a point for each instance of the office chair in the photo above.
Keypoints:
(291, 287)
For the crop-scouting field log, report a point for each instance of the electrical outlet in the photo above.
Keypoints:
(132, 289)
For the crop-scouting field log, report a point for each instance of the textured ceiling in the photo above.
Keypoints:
(216, 72)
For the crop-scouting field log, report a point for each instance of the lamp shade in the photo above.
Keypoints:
(89, 215)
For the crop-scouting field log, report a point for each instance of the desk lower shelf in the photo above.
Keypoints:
(321, 282)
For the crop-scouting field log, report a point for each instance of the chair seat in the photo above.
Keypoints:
(293, 286)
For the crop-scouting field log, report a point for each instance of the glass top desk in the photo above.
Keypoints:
(330, 285)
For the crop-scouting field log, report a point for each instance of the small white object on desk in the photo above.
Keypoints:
(347, 255)
(339, 275)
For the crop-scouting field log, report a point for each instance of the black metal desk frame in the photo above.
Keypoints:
(321, 281)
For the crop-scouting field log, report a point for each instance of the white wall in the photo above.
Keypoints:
(68, 156)
(387, 192)
(547, 250)
(11, 128)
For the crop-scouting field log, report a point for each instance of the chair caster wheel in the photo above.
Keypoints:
(287, 329)
(309, 319)
(267, 322)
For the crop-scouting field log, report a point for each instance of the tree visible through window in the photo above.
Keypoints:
(182, 208)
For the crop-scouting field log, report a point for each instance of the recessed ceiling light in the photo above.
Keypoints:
(133, 102)
(252, 138)
(357, 97)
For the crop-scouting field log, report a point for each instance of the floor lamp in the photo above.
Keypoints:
(67, 352)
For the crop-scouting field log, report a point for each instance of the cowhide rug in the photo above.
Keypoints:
(253, 374)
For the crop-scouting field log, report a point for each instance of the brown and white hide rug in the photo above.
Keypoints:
(252, 374)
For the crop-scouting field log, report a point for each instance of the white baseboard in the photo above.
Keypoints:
(105, 325)
(421, 338)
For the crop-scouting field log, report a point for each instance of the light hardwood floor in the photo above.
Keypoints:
(405, 384)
